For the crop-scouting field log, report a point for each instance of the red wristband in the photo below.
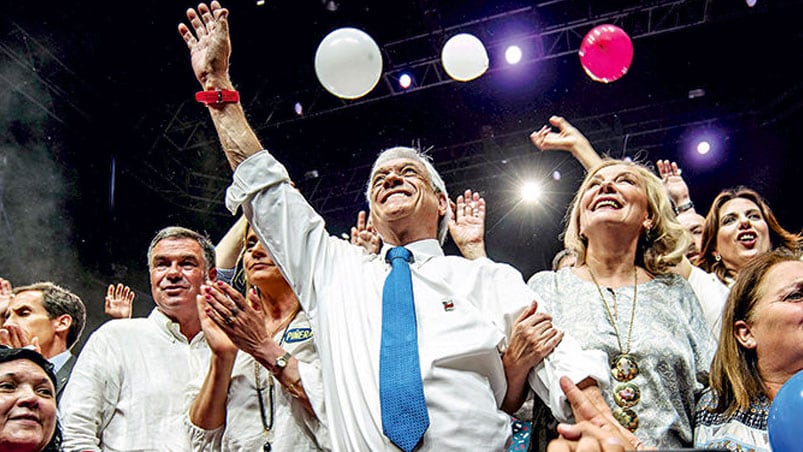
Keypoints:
(217, 97)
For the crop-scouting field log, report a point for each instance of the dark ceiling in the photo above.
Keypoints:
(102, 144)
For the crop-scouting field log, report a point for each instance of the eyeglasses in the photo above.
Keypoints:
(626, 394)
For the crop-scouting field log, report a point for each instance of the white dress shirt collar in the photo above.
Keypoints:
(171, 328)
(423, 250)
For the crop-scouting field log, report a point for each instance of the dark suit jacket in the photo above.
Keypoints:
(63, 375)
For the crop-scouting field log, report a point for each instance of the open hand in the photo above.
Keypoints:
(467, 225)
(363, 234)
(673, 182)
(209, 43)
(242, 321)
(119, 300)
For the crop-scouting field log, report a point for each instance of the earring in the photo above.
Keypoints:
(648, 235)
(717, 257)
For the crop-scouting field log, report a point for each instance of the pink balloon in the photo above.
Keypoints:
(606, 53)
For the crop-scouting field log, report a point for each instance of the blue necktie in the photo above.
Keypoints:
(404, 410)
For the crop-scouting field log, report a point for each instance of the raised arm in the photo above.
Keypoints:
(467, 225)
(363, 234)
(227, 251)
(678, 192)
(675, 186)
(567, 138)
(210, 47)
(119, 300)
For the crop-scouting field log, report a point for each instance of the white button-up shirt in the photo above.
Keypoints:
(127, 389)
(464, 310)
(293, 429)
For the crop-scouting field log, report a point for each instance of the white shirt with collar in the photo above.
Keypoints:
(293, 428)
(127, 389)
(464, 310)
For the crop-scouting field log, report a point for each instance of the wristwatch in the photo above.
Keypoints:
(281, 362)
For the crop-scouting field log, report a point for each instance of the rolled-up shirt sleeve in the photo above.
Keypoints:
(511, 296)
(202, 440)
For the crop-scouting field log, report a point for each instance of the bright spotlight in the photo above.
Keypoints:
(260, 2)
(513, 54)
(703, 147)
(531, 192)
(751, 3)
(405, 81)
(556, 175)
(298, 108)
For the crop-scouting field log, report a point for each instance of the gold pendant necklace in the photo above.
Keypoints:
(624, 366)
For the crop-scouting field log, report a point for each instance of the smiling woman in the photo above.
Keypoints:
(622, 298)
(27, 402)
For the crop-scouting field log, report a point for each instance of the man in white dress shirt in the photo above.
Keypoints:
(465, 310)
(127, 390)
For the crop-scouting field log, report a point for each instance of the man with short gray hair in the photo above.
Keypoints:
(458, 314)
(127, 391)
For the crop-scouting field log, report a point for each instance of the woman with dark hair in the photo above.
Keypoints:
(760, 348)
(740, 226)
(28, 412)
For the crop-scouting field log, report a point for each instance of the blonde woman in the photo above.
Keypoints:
(622, 298)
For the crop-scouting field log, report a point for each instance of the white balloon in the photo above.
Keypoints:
(348, 63)
(464, 57)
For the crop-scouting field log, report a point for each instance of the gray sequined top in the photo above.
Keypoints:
(670, 341)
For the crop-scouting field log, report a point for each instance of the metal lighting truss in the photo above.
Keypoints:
(186, 150)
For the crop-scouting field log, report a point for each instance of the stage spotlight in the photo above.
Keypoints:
(298, 108)
(703, 147)
(531, 192)
(405, 81)
(751, 3)
(556, 175)
(260, 2)
(513, 54)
